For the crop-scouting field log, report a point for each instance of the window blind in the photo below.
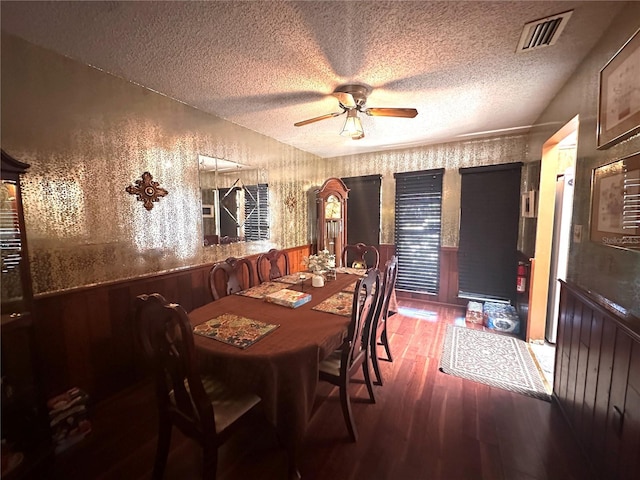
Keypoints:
(256, 210)
(417, 232)
(489, 213)
(363, 209)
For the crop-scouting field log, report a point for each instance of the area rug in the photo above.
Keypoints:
(493, 359)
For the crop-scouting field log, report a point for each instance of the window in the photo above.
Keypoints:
(417, 232)
(256, 208)
(489, 213)
(363, 207)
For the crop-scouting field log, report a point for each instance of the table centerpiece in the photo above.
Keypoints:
(320, 264)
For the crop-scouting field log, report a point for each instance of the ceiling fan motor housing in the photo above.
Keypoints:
(359, 94)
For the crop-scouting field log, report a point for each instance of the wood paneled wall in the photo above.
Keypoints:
(84, 338)
(448, 286)
(597, 381)
(386, 252)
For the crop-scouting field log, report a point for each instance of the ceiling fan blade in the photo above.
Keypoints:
(317, 119)
(391, 112)
(345, 99)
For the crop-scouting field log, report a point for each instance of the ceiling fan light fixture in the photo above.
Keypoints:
(352, 125)
(351, 99)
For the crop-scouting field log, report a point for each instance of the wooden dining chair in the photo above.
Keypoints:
(273, 264)
(199, 406)
(360, 254)
(342, 364)
(230, 276)
(379, 324)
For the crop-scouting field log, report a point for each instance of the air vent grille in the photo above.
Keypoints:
(543, 32)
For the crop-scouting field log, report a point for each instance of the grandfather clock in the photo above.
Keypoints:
(331, 201)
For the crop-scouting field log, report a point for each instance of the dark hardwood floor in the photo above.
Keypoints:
(425, 425)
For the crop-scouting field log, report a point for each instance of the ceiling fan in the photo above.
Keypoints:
(351, 99)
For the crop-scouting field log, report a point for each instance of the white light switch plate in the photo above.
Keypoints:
(577, 233)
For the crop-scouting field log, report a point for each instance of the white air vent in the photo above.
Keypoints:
(543, 32)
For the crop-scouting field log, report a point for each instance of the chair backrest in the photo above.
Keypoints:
(365, 296)
(270, 266)
(367, 255)
(386, 289)
(230, 276)
(166, 338)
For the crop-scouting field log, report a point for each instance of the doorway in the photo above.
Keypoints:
(553, 231)
(563, 213)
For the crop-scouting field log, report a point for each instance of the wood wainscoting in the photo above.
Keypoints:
(597, 380)
(386, 252)
(448, 286)
(84, 337)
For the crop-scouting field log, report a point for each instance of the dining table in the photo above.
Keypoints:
(282, 366)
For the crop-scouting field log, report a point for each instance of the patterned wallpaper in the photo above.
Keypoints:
(88, 135)
(450, 156)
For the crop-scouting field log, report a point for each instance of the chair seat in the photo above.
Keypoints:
(228, 405)
(331, 364)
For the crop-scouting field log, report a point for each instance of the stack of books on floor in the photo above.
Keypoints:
(68, 418)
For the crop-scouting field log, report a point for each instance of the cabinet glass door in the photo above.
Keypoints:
(11, 249)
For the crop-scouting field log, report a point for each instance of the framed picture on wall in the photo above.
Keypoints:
(615, 203)
(619, 95)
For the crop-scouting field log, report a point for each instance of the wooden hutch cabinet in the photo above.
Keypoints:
(331, 202)
(25, 436)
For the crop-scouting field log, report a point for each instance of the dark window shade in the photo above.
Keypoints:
(489, 212)
(363, 209)
(256, 210)
(417, 233)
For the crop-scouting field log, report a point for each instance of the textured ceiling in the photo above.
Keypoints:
(268, 64)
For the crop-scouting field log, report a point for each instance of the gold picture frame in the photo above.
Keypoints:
(615, 203)
(619, 95)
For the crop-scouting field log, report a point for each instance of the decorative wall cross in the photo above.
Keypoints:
(147, 190)
(291, 203)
